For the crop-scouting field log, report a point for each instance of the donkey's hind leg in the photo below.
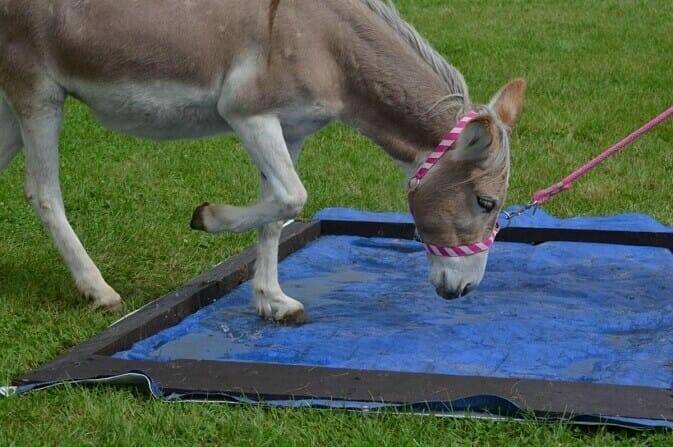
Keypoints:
(40, 127)
(10, 135)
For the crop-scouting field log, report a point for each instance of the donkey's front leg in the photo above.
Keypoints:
(268, 298)
(282, 197)
(262, 136)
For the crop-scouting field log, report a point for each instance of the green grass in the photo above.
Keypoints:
(596, 70)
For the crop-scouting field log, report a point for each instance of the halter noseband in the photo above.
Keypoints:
(415, 182)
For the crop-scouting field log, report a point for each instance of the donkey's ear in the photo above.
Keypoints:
(508, 103)
(475, 141)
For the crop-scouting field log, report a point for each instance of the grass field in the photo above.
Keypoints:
(596, 70)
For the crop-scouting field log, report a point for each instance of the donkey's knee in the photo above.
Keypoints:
(294, 202)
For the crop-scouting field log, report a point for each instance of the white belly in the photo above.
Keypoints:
(158, 110)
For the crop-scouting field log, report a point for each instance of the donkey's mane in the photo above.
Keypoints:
(453, 78)
(457, 97)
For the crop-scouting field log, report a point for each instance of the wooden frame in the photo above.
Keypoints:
(263, 381)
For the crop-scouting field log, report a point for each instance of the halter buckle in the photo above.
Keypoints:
(413, 184)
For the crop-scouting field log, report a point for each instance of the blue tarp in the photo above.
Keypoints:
(559, 311)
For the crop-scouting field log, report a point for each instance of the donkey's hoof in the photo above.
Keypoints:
(281, 309)
(108, 300)
(198, 222)
(297, 317)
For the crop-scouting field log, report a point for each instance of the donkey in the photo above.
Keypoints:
(273, 72)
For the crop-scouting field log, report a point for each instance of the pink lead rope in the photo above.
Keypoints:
(544, 195)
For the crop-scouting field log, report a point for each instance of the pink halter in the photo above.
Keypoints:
(414, 182)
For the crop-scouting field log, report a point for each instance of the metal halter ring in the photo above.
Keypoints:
(509, 215)
(413, 184)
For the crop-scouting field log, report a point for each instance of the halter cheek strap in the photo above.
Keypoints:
(415, 182)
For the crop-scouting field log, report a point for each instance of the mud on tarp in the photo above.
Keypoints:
(560, 316)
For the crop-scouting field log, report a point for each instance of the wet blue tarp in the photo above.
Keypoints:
(559, 310)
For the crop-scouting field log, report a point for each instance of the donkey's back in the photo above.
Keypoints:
(193, 41)
(177, 40)
(157, 68)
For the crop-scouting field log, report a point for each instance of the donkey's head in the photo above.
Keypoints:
(458, 202)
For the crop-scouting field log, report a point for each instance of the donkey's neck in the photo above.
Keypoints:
(392, 95)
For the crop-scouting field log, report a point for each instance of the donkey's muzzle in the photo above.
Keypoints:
(452, 294)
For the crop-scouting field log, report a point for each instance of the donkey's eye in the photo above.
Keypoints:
(486, 204)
